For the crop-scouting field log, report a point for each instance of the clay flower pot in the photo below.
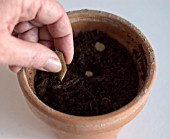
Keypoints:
(108, 125)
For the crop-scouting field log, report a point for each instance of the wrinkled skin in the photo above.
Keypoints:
(38, 25)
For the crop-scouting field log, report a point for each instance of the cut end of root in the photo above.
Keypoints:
(100, 47)
(89, 74)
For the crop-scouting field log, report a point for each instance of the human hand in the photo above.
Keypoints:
(36, 23)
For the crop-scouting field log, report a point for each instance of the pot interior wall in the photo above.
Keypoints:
(117, 29)
(129, 38)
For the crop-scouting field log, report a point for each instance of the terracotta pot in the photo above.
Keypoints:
(108, 125)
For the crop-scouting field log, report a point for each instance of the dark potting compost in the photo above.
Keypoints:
(101, 78)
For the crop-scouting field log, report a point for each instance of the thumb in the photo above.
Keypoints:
(18, 52)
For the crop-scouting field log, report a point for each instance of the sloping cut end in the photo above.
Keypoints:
(63, 71)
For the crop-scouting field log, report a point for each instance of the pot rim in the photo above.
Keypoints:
(105, 119)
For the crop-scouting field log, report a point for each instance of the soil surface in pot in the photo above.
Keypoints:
(102, 78)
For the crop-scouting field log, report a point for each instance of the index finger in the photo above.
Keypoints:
(61, 31)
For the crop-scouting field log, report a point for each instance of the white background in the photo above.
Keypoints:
(150, 16)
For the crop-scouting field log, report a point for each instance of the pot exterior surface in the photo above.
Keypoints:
(108, 125)
(107, 135)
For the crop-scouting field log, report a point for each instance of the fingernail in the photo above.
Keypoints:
(53, 65)
(18, 69)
